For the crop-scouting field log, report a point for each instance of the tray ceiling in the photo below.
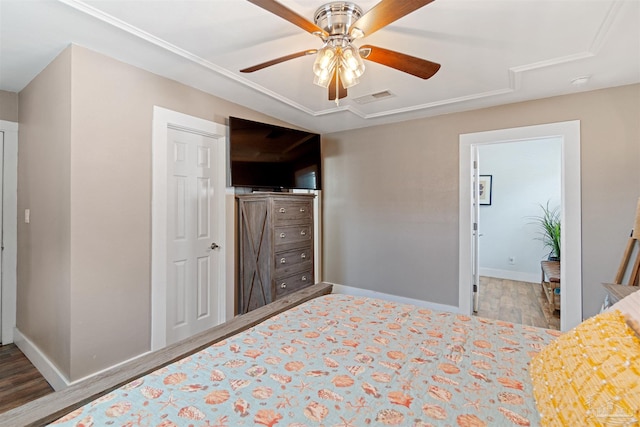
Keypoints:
(492, 52)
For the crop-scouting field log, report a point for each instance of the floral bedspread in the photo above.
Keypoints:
(342, 361)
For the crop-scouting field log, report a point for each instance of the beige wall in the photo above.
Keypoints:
(43, 305)
(391, 193)
(108, 204)
(8, 106)
(390, 199)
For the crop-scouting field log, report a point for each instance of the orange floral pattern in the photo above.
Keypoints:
(345, 361)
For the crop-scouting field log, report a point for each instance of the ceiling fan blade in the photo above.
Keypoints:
(342, 91)
(409, 64)
(386, 12)
(279, 60)
(285, 13)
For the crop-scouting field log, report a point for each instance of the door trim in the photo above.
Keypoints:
(164, 119)
(8, 285)
(571, 273)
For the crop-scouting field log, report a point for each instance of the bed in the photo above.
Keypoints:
(340, 360)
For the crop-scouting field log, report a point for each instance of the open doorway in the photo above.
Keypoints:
(519, 180)
(571, 273)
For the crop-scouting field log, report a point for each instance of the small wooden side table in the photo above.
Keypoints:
(551, 281)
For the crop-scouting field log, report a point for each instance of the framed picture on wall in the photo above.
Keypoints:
(485, 184)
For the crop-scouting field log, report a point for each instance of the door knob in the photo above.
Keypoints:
(214, 245)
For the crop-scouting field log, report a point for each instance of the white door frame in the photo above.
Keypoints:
(8, 286)
(164, 119)
(571, 238)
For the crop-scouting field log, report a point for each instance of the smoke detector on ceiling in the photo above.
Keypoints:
(580, 81)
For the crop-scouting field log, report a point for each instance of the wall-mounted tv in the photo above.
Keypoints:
(268, 157)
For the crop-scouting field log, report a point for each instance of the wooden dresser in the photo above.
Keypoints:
(275, 243)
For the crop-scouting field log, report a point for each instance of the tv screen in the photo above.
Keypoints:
(265, 156)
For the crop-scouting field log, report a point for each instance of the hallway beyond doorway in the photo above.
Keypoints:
(516, 302)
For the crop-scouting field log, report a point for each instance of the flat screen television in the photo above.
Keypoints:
(269, 157)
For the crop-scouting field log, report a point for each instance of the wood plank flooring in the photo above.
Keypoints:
(20, 381)
(516, 302)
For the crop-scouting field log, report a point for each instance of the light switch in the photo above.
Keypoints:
(27, 216)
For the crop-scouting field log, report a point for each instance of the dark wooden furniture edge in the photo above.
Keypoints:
(53, 406)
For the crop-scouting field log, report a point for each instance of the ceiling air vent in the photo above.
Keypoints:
(374, 97)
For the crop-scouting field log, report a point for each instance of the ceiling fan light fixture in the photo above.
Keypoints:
(351, 59)
(325, 60)
(325, 64)
(324, 79)
(338, 54)
(348, 77)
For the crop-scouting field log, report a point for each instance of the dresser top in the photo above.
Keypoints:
(274, 195)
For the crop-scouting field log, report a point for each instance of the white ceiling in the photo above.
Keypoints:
(492, 52)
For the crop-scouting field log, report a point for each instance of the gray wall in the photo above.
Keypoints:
(85, 172)
(8, 106)
(390, 200)
(44, 187)
(391, 193)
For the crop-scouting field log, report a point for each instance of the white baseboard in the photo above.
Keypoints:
(520, 276)
(348, 290)
(108, 369)
(49, 371)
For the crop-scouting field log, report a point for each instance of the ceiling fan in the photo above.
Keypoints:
(339, 63)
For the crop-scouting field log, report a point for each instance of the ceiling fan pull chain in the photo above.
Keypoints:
(337, 87)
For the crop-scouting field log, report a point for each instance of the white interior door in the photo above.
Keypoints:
(194, 255)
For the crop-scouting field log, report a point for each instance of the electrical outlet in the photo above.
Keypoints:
(512, 260)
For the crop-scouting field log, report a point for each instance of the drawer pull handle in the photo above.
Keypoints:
(303, 232)
(283, 235)
(303, 278)
(301, 209)
(303, 255)
(283, 285)
(282, 210)
(283, 260)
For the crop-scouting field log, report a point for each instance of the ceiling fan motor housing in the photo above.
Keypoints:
(336, 18)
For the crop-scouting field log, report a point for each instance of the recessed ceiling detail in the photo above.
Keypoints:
(492, 51)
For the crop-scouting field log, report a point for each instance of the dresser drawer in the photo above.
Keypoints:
(293, 234)
(293, 258)
(295, 282)
(286, 211)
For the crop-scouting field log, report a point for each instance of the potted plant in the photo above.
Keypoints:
(549, 230)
